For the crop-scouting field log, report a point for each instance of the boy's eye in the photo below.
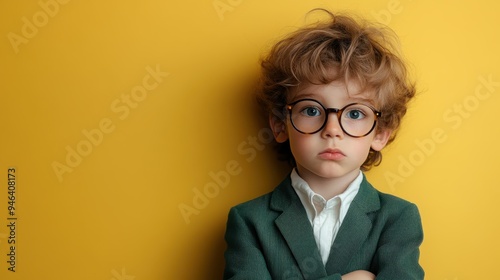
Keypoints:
(311, 111)
(355, 114)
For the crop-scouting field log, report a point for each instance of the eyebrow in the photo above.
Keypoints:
(362, 100)
(302, 96)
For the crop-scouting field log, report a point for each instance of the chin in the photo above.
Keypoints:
(336, 173)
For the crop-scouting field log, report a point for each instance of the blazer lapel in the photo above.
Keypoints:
(297, 231)
(354, 229)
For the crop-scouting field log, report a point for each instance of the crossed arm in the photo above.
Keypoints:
(359, 275)
(396, 256)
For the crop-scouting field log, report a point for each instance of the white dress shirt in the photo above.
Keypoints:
(325, 216)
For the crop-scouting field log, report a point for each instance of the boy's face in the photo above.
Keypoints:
(329, 153)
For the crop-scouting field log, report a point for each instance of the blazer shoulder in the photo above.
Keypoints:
(255, 203)
(394, 201)
(281, 196)
(373, 200)
(394, 206)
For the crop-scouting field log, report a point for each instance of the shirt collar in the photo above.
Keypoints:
(309, 198)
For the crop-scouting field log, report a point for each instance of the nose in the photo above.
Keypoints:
(332, 127)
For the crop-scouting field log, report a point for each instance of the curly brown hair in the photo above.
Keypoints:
(360, 51)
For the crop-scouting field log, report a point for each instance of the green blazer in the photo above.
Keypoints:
(271, 237)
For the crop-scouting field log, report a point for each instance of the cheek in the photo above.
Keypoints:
(363, 149)
(301, 144)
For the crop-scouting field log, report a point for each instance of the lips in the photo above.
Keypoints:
(332, 154)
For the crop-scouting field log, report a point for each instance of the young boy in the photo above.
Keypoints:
(335, 93)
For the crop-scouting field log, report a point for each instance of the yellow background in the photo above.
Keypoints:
(116, 215)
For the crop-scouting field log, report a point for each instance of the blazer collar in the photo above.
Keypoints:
(355, 228)
(297, 231)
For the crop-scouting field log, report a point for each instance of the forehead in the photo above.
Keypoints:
(339, 90)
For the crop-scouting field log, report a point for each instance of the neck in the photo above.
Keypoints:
(328, 187)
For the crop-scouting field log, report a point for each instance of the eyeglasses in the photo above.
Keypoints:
(308, 116)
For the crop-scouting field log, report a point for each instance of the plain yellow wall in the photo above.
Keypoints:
(132, 130)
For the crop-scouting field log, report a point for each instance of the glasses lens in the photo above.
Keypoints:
(308, 116)
(357, 119)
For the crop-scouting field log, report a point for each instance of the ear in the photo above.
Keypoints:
(380, 139)
(278, 127)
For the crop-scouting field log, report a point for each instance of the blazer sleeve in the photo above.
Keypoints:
(244, 258)
(398, 250)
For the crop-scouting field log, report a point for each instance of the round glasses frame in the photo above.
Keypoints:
(338, 112)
